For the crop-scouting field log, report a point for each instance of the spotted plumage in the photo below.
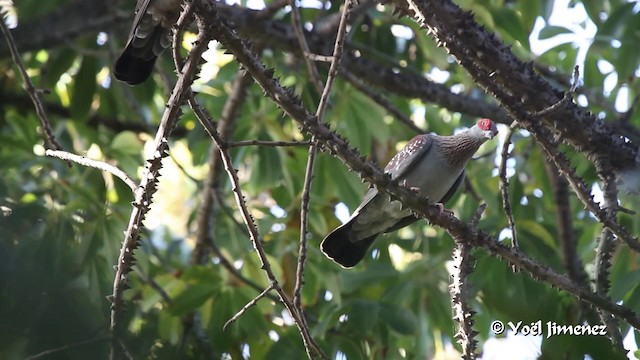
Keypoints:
(432, 165)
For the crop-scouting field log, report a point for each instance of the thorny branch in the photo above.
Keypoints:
(566, 233)
(267, 143)
(604, 253)
(296, 22)
(34, 93)
(504, 183)
(382, 101)
(147, 187)
(310, 345)
(322, 105)
(337, 146)
(459, 289)
(368, 171)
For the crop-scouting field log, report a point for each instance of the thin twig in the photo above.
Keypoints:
(335, 63)
(568, 96)
(304, 207)
(100, 165)
(319, 58)
(504, 183)
(154, 285)
(205, 239)
(382, 101)
(67, 347)
(296, 22)
(248, 306)
(581, 190)
(304, 218)
(368, 171)
(254, 236)
(34, 93)
(476, 217)
(272, 8)
(564, 215)
(148, 185)
(308, 177)
(266, 143)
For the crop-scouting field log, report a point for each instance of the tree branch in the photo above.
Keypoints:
(370, 172)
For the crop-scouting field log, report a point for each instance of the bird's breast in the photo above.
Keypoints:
(433, 176)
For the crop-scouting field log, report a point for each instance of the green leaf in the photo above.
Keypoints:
(362, 316)
(535, 229)
(170, 327)
(191, 298)
(60, 61)
(550, 31)
(267, 167)
(510, 20)
(616, 23)
(398, 318)
(594, 8)
(126, 143)
(352, 281)
(84, 88)
(529, 11)
(288, 347)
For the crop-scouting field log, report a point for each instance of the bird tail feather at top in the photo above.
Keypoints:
(133, 70)
(340, 249)
(136, 62)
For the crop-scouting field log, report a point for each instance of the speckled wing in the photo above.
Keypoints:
(401, 163)
(407, 157)
(141, 10)
(147, 39)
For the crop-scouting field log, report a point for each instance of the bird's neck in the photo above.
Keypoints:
(459, 148)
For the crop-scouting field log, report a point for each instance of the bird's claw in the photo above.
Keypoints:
(415, 189)
(442, 209)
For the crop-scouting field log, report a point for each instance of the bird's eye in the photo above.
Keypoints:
(485, 124)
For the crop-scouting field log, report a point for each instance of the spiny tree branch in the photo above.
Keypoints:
(147, 186)
(515, 84)
(310, 345)
(370, 172)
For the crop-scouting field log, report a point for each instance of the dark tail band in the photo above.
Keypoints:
(337, 246)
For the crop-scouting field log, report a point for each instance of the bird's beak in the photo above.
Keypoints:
(491, 133)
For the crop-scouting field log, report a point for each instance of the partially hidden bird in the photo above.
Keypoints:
(150, 35)
(430, 164)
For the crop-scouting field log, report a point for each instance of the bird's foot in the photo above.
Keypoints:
(415, 189)
(442, 209)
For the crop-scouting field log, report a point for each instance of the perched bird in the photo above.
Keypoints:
(150, 35)
(430, 164)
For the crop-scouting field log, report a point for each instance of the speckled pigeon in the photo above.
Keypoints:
(150, 35)
(432, 165)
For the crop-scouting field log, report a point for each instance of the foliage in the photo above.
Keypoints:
(61, 226)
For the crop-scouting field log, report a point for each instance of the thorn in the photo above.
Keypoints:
(270, 72)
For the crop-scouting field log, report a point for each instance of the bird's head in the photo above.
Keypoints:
(486, 128)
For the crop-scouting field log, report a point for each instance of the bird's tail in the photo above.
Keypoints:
(136, 62)
(338, 247)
